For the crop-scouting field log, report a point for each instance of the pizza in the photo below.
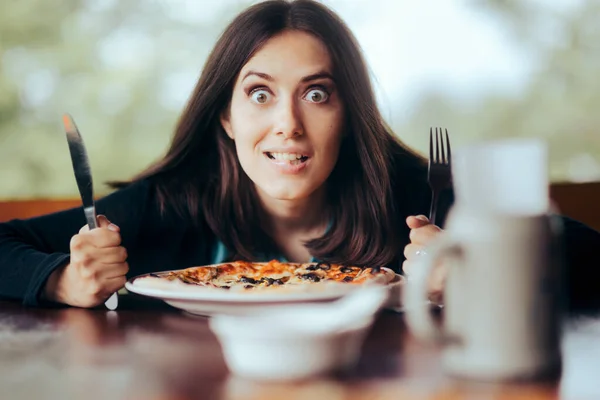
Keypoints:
(244, 275)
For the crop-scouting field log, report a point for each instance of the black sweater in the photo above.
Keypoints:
(31, 249)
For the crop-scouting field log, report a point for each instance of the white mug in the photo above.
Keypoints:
(503, 302)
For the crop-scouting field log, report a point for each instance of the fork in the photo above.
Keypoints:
(439, 173)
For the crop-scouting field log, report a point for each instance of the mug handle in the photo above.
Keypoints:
(417, 308)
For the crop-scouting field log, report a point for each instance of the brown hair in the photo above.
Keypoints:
(201, 172)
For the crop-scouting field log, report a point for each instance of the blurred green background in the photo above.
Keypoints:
(124, 69)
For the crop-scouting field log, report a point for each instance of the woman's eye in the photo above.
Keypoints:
(260, 96)
(317, 96)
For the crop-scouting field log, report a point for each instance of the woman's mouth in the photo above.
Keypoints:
(288, 158)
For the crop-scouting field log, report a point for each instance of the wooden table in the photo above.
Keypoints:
(148, 351)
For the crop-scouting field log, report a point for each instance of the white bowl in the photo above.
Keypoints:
(257, 348)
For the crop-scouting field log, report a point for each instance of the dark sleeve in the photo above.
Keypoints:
(31, 249)
(581, 246)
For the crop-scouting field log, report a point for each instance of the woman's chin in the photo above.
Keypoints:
(286, 196)
(284, 193)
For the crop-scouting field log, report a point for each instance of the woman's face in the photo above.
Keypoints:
(285, 117)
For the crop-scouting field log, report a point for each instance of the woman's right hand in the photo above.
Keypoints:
(97, 268)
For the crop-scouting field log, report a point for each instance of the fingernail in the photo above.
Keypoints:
(422, 218)
(113, 227)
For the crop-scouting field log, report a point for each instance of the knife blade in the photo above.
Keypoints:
(83, 177)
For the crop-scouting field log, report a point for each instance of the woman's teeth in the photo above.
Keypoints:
(293, 158)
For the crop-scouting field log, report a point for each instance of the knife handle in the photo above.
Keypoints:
(90, 216)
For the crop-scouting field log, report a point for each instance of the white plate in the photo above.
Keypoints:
(207, 301)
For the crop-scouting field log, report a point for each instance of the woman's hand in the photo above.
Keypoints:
(97, 268)
(422, 232)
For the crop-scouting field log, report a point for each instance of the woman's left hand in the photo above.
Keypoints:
(422, 232)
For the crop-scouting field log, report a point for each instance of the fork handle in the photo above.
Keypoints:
(433, 208)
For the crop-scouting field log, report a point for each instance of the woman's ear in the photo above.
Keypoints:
(225, 123)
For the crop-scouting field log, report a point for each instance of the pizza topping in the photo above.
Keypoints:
(247, 275)
(322, 266)
(245, 279)
(311, 277)
(268, 281)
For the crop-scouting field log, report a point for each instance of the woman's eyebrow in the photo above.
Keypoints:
(260, 75)
(318, 75)
(308, 78)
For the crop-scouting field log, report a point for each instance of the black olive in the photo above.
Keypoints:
(245, 279)
(311, 277)
(348, 279)
(226, 287)
(248, 287)
(324, 266)
(277, 282)
(268, 281)
(375, 270)
(346, 269)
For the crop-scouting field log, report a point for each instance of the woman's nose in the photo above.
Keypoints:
(289, 121)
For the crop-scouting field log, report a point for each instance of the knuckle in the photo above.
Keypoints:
(122, 269)
(95, 274)
(432, 229)
(114, 238)
(107, 238)
(407, 251)
(86, 259)
(99, 236)
(88, 274)
(117, 283)
(405, 266)
(76, 242)
(414, 234)
(122, 253)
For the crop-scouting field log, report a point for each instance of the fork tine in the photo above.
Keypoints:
(442, 147)
(448, 148)
(437, 147)
(430, 145)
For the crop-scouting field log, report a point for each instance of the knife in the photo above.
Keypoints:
(83, 177)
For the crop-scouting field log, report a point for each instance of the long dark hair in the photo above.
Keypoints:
(201, 178)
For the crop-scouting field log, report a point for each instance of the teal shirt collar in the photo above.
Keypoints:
(220, 253)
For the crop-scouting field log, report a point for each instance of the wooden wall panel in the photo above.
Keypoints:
(580, 201)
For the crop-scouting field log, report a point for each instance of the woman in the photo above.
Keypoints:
(280, 153)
